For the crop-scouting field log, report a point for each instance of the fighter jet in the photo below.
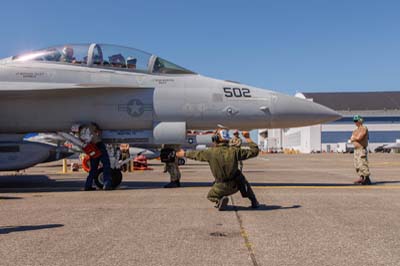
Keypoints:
(129, 90)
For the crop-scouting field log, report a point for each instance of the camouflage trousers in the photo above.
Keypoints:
(361, 162)
(173, 170)
(221, 189)
(239, 183)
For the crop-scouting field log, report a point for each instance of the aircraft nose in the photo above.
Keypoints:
(288, 111)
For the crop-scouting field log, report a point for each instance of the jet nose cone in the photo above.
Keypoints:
(288, 111)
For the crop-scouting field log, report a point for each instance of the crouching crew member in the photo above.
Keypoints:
(91, 134)
(360, 140)
(223, 161)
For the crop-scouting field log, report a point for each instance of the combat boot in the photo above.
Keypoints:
(173, 184)
(254, 203)
(222, 203)
(367, 181)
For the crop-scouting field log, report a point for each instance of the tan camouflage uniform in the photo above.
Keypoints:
(361, 153)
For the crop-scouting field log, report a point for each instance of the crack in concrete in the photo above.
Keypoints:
(244, 235)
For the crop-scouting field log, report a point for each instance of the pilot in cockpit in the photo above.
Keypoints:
(131, 62)
(117, 60)
(67, 55)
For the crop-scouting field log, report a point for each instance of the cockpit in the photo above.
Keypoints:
(104, 56)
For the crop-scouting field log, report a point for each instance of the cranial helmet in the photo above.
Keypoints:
(220, 136)
(357, 118)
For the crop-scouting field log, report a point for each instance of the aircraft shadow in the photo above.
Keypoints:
(385, 182)
(22, 228)
(350, 184)
(262, 207)
(159, 184)
(42, 183)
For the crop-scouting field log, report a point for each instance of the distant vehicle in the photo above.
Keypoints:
(382, 148)
(393, 146)
(344, 147)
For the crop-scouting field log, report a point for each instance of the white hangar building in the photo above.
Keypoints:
(380, 110)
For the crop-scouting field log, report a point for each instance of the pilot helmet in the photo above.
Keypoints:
(131, 62)
(67, 51)
(117, 59)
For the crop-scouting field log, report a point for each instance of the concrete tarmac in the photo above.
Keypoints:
(311, 214)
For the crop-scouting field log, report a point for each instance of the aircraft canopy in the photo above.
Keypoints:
(104, 56)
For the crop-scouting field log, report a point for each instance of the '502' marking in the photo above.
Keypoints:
(237, 92)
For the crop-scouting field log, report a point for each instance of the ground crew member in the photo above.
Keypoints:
(124, 147)
(359, 138)
(172, 167)
(223, 161)
(235, 141)
(92, 133)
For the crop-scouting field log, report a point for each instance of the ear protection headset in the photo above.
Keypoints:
(220, 135)
(215, 138)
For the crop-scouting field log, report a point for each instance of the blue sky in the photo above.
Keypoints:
(287, 46)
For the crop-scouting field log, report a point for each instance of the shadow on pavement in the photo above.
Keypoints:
(22, 228)
(350, 184)
(385, 182)
(42, 183)
(9, 198)
(37, 183)
(262, 207)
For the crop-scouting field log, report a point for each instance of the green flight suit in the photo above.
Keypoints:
(223, 161)
(173, 170)
(173, 167)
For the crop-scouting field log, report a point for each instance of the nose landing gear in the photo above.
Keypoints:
(116, 178)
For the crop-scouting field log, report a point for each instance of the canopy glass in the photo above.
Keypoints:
(104, 56)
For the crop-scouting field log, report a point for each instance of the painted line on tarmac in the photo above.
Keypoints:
(245, 235)
(328, 187)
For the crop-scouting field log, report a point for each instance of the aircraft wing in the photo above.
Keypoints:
(44, 86)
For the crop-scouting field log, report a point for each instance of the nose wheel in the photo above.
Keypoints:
(116, 178)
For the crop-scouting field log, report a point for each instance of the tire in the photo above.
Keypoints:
(116, 178)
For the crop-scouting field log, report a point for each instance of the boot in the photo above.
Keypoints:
(222, 203)
(173, 184)
(254, 203)
(359, 181)
(366, 181)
